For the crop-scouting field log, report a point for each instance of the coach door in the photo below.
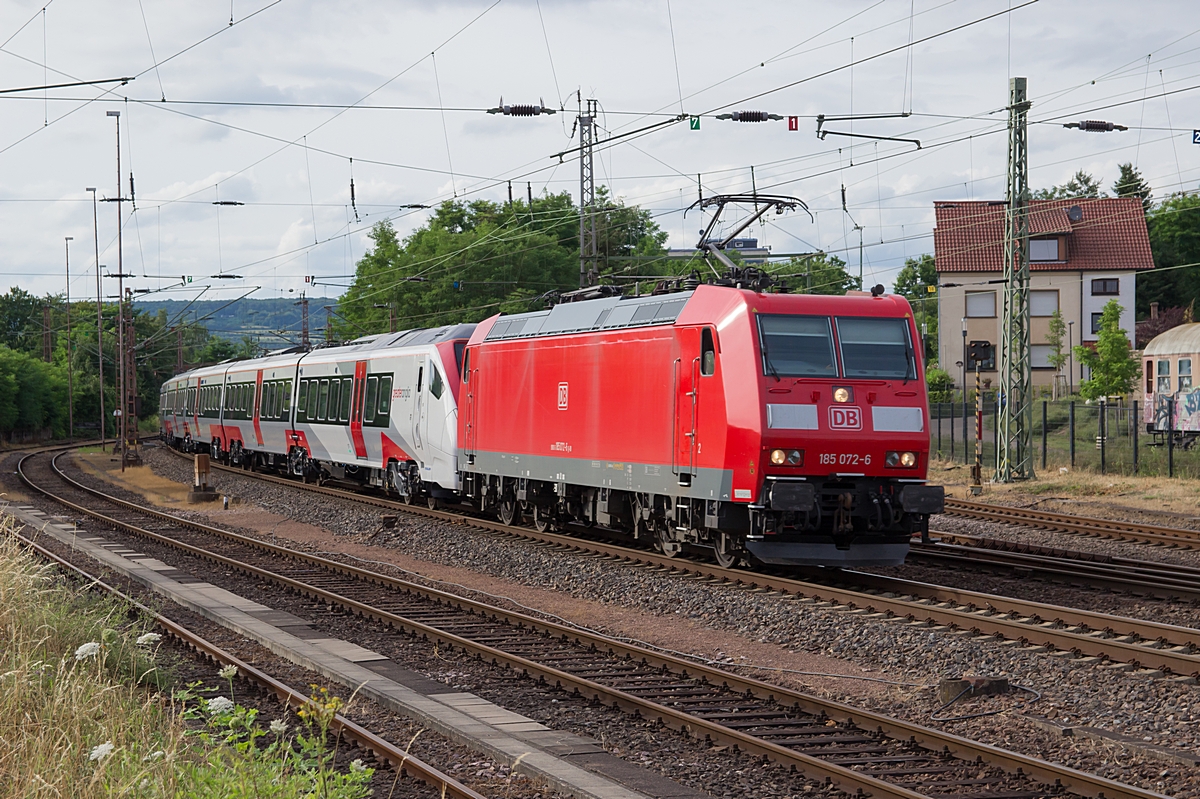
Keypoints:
(687, 403)
(419, 406)
(356, 409)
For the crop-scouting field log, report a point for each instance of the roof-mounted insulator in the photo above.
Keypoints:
(750, 116)
(521, 110)
(1095, 126)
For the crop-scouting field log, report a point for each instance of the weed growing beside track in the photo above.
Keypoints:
(86, 711)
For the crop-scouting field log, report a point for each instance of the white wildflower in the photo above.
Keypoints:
(279, 726)
(228, 673)
(88, 650)
(153, 756)
(101, 751)
(357, 767)
(219, 704)
(149, 639)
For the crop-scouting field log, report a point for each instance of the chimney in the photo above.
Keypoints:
(1154, 310)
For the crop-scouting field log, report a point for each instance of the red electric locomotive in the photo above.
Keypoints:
(787, 429)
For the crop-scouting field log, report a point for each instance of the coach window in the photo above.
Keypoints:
(347, 391)
(1185, 374)
(1164, 377)
(435, 382)
(335, 394)
(1149, 377)
(287, 397)
(708, 353)
(322, 400)
(302, 399)
(372, 397)
(385, 400)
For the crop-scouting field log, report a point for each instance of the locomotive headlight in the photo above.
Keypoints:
(903, 460)
(842, 394)
(790, 457)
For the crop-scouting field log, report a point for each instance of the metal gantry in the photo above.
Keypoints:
(1014, 445)
(589, 270)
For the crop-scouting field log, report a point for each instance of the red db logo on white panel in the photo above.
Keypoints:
(562, 396)
(845, 418)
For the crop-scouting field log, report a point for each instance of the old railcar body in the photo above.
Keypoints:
(1171, 401)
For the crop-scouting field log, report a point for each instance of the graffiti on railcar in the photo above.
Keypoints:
(1187, 411)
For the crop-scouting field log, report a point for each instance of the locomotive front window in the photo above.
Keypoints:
(796, 346)
(876, 348)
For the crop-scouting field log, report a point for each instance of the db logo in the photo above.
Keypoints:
(845, 418)
(562, 396)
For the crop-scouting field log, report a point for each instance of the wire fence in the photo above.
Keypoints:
(1106, 438)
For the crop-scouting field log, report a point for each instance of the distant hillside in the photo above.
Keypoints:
(273, 322)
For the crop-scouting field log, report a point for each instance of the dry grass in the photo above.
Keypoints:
(83, 712)
(56, 709)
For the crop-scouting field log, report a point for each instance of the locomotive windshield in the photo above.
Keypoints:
(796, 346)
(876, 348)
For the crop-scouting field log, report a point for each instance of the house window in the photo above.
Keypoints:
(1040, 356)
(1185, 374)
(1108, 286)
(1096, 323)
(1043, 249)
(981, 304)
(1164, 377)
(1043, 303)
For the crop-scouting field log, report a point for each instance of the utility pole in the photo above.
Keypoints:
(588, 267)
(47, 341)
(122, 368)
(99, 315)
(129, 413)
(303, 303)
(70, 380)
(1015, 435)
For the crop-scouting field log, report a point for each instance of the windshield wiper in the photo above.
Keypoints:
(767, 357)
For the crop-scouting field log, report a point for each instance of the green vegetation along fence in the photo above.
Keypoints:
(1107, 438)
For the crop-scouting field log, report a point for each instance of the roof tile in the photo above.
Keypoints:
(1110, 234)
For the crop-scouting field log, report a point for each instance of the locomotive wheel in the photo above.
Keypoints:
(507, 510)
(432, 501)
(663, 541)
(727, 557)
(541, 518)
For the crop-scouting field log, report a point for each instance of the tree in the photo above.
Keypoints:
(472, 260)
(1081, 184)
(1174, 227)
(1054, 337)
(819, 274)
(1131, 184)
(914, 282)
(1167, 318)
(1113, 366)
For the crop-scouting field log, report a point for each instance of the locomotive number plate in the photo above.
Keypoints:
(843, 459)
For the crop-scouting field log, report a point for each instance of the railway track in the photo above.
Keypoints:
(855, 749)
(1078, 525)
(384, 751)
(1147, 645)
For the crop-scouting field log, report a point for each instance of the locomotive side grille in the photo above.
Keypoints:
(792, 417)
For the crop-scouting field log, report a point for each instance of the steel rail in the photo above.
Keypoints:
(383, 750)
(847, 779)
(1079, 525)
(1169, 647)
(1060, 569)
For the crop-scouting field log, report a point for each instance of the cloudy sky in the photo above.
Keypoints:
(280, 109)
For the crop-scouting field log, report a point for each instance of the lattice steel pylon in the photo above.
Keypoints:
(1014, 442)
(589, 270)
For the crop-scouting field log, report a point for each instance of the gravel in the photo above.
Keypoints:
(1156, 712)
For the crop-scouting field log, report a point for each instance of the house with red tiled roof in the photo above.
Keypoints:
(1083, 252)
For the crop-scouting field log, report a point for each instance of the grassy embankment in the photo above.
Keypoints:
(87, 710)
